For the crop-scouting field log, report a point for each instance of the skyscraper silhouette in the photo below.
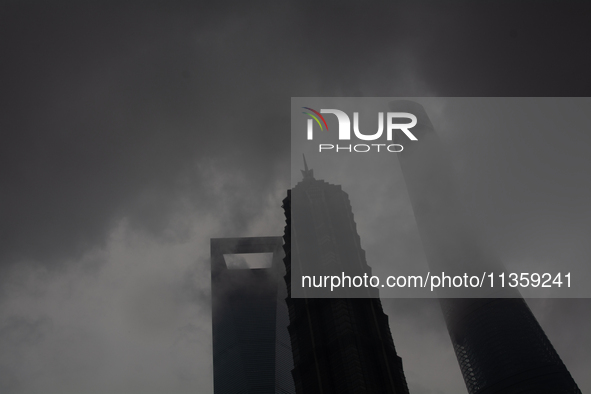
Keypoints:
(251, 347)
(501, 348)
(340, 345)
(499, 344)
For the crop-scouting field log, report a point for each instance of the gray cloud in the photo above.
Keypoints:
(132, 133)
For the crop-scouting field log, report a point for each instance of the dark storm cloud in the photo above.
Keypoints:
(567, 323)
(107, 110)
(502, 48)
(106, 107)
(159, 112)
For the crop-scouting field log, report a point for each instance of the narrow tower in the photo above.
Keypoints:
(340, 345)
(500, 346)
(251, 348)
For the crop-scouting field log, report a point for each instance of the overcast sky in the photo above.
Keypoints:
(133, 133)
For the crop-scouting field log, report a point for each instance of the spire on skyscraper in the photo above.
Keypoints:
(307, 174)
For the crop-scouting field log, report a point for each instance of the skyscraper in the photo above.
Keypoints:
(251, 347)
(340, 345)
(499, 344)
(501, 348)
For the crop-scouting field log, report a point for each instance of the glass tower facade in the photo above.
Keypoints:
(251, 347)
(501, 348)
(340, 345)
(499, 344)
